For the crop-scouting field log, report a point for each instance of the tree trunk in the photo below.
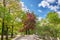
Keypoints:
(2, 30)
(3, 22)
(4, 3)
(12, 32)
(6, 32)
(26, 32)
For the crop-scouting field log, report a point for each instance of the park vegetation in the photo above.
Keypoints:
(14, 21)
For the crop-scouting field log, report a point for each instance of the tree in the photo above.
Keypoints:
(3, 12)
(53, 19)
(49, 27)
(42, 29)
(11, 6)
(28, 23)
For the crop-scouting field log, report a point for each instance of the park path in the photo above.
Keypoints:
(27, 37)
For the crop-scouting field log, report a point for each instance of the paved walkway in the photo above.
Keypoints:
(27, 37)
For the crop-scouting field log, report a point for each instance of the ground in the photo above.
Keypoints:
(27, 37)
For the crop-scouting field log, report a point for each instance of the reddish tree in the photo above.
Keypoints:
(29, 23)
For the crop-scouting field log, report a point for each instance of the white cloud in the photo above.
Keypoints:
(58, 2)
(50, 1)
(24, 8)
(46, 3)
(39, 18)
(39, 10)
(22, 4)
(43, 4)
(54, 8)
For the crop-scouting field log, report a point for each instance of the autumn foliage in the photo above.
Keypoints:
(29, 23)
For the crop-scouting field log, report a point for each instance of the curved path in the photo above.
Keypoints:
(27, 37)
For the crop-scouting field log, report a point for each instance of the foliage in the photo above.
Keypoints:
(29, 22)
(17, 20)
(50, 26)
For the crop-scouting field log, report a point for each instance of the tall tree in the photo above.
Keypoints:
(28, 23)
(13, 7)
(52, 18)
(3, 20)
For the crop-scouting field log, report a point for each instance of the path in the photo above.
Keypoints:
(27, 37)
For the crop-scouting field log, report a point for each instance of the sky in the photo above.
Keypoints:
(41, 7)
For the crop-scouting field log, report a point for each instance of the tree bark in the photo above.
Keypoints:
(6, 32)
(2, 30)
(12, 32)
(26, 32)
(3, 22)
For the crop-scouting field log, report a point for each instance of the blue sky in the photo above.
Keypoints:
(41, 7)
